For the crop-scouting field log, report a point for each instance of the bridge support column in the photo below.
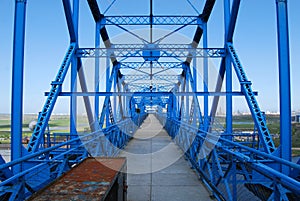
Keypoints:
(284, 82)
(205, 77)
(97, 70)
(107, 87)
(74, 67)
(228, 72)
(187, 102)
(17, 84)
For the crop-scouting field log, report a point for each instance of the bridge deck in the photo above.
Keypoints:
(157, 169)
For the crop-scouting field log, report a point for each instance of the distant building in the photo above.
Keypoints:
(296, 118)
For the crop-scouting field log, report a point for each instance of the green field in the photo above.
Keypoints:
(273, 123)
(57, 124)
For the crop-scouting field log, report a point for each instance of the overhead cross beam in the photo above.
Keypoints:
(156, 20)
(129, 51)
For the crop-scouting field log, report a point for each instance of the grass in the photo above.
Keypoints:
(296, 152)
(242, 127)
(60, 123)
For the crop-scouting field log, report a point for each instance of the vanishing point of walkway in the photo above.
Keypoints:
(157, 170)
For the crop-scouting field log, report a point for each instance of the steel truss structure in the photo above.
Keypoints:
(165, 78)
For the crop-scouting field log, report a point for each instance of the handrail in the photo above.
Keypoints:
(263, 154)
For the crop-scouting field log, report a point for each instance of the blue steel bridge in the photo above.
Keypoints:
(170, 81)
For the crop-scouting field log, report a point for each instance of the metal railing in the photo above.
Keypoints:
(231, 170)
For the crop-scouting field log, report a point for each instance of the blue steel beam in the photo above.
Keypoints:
(229, 21)
(142, 87)
(183, 83)
(98, 17)
(95, 10)
(44, 117)
(204, 16)
(92, 123)
(205, 77)
(158, 76)
(109, 82)
(17, 83)
(218, 88)
(72, 22)
(97, 70)
(121, 103)
(154, 20)
(74, 67)
(257, 115)
(114, 89)
(284, 82)
(132, 51)
(195, 92)
(108, 86)
(208, 7)
(69, 18)
(233, 18)
(160, 93)
(139, 65)
(230, 24)
(75, 17)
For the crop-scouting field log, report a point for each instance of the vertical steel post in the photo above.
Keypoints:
(187, 102)
(115, 90)
(97, 70)
(76, 17)
(175, 105)
(17, 83)
(151, 21)
(195, 73)
(205, 76)
(284, 82)
(126, 102)
(107, 85)
(228, 71)
(195, 86)
(74, 67)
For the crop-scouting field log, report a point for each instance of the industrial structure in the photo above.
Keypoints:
(151, 76)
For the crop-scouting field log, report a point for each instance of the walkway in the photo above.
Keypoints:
(157, 170)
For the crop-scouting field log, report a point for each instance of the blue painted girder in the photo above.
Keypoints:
(257, 115)
(45, 114)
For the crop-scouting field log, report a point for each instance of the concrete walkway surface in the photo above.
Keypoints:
(156, 168)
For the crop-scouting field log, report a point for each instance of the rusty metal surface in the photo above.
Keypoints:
(89, 180)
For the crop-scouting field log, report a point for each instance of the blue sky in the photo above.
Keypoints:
(47, 40)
